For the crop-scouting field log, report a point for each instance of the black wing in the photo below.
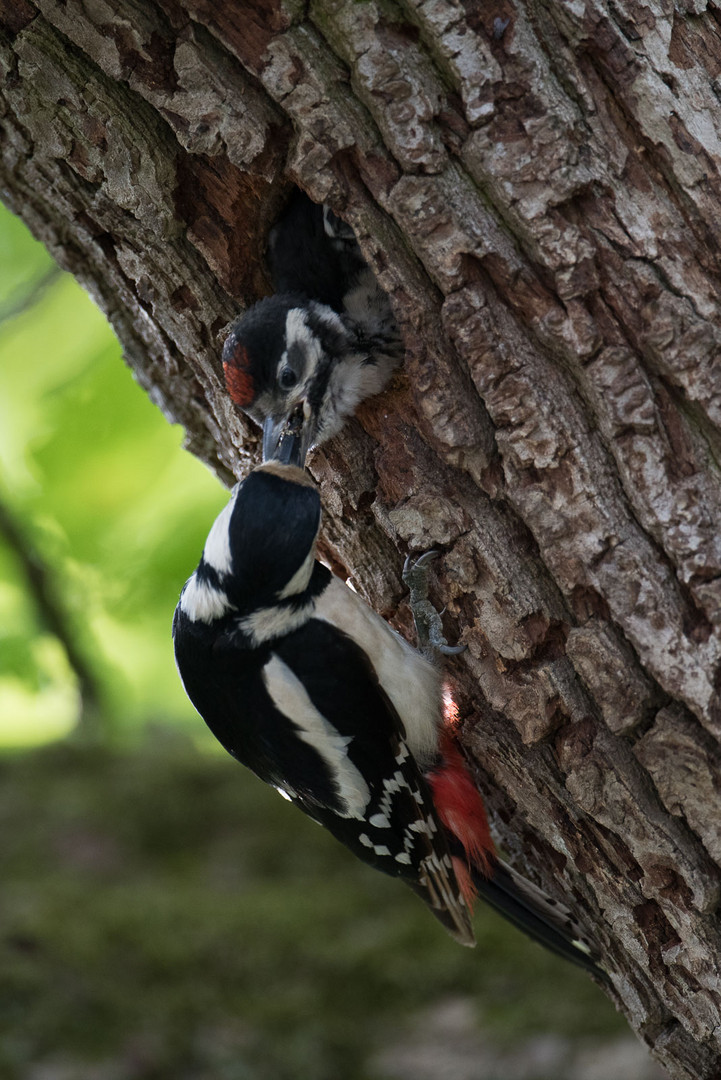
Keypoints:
(307, 715)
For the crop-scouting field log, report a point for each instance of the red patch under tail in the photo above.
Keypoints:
(460, 808)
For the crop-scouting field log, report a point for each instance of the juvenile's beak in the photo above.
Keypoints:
(287, 439)
(272, 432)
(289, 451)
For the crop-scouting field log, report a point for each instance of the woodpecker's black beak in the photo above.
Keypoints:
(286, 439)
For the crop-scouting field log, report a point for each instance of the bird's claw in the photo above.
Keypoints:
(420, 562)
(415, 573)
(452, 650)
(426, 557)
(429, 629)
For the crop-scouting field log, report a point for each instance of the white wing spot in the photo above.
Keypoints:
(216, 552)
(291, 698)
(297, 332)
(299, 582)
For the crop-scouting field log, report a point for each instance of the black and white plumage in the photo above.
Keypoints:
(303, 683)
(322, 343)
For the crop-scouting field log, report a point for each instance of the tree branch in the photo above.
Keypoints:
(46, 595)
(25, 299)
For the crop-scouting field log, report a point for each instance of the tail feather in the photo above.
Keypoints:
(544, 919)
(479, 872)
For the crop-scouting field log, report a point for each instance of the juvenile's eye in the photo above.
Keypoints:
(287, 378)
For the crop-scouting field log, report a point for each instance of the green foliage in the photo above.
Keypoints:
(91, 470)
(166, 915)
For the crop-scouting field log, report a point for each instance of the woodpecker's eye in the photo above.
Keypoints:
(287, 378)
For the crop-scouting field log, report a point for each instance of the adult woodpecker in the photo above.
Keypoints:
(303, 683)
(327, 339)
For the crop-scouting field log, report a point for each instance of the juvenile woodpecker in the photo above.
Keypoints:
(327, 339)
(304, 684)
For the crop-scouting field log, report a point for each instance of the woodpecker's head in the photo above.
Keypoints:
(286, 364)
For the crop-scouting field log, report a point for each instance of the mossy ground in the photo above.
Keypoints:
(163, 915)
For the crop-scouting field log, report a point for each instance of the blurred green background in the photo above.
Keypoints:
(162, 914)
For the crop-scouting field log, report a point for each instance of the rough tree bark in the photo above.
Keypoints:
(538, 188)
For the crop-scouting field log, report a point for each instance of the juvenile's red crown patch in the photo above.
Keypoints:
(238, 379)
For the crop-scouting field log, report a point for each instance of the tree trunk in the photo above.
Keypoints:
(538, 188)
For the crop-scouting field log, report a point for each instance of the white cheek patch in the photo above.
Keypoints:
(216, 552)
(299, 582)
(300, 334)
(202, 602)
(297, 332)
(290, 697)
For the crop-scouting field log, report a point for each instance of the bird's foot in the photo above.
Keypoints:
(429, 628)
